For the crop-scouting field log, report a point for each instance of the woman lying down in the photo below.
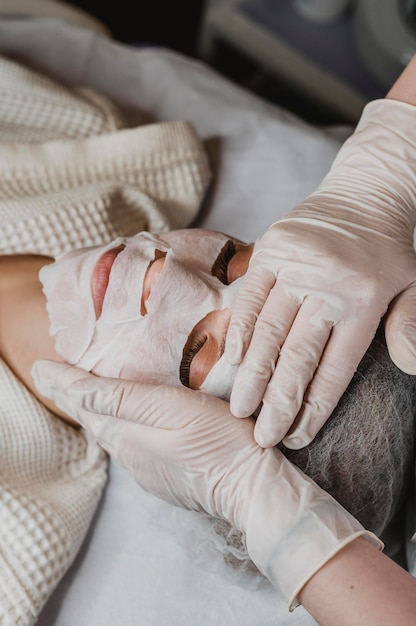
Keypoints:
(156, 308)
(148, 307)
(72, 173)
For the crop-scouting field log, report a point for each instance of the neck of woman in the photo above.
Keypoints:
(24, 322)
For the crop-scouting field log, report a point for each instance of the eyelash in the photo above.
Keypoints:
(187, 357)
(221, 264)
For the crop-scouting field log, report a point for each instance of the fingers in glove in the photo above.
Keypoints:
(295, 368)
(256, 370)
(70, 386)
(50, 375)
(400, 329)
(80, 393)
(106, 408)
(257, 284)
(52, 379)
(343, 352)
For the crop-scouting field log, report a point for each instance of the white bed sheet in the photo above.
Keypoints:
(130, 571)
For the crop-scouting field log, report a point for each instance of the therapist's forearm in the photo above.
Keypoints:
(361, 586)
(404, 89)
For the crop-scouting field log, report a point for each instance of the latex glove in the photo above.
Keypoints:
(400, 330)
(320, 280)
(186, 447)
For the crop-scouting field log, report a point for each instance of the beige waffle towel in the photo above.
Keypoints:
(70, 175)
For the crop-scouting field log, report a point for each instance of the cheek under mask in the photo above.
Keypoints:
(123, 343)
(220, 379)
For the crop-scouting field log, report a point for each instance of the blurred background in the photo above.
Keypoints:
(322, 59)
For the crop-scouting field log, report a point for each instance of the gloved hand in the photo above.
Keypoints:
(186, 447)
(320, 280)
(400, 330)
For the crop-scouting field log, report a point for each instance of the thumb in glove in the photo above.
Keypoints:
(400, 330)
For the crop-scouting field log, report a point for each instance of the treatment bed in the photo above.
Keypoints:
(144, 563)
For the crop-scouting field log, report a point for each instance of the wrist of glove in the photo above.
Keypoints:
(321, 279)
(186, 448)
(371, 178)
(294, 527)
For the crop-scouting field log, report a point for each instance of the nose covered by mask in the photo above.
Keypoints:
(124, 341)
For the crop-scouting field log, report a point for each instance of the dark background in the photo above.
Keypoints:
(177, 25)
(171, 23)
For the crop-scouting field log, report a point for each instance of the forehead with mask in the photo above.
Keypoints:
(152, 308)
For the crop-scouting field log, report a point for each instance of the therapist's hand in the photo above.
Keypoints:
(320, 280)
(400, 330)
(186, 447)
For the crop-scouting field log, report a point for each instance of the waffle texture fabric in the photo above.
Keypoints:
(71, 174)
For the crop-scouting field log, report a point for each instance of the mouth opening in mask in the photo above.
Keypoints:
(100, 277)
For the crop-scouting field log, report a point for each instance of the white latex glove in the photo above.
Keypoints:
(186, 447)
(320, 280)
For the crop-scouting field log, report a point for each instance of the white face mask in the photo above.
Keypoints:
(150, 310)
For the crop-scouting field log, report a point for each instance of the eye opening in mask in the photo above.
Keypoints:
(204, 346)
(151, 277)
(232, 261)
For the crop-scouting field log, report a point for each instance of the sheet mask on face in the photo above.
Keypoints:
(219, 381)
(139, 332)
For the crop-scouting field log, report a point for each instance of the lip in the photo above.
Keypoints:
(100, 277)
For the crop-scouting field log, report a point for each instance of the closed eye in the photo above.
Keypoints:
(203, 348)
(191, 349)
(220, 267)
(232, 262)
